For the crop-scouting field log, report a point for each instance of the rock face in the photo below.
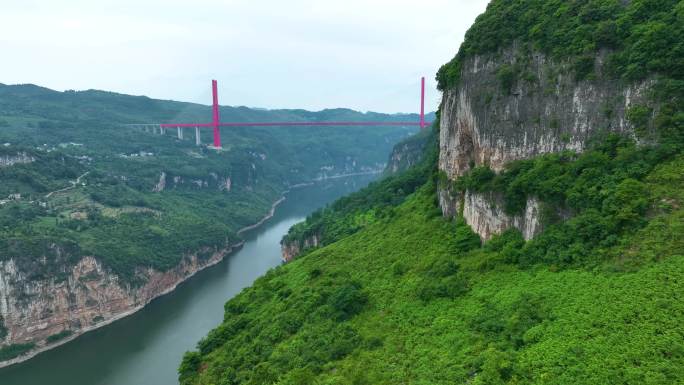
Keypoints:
(407, 153)
(84, 297)
(161, 185)
(225, 184)
(167, 182)
(10, 160)
(545, 109)
(484, 213)
(291, 250)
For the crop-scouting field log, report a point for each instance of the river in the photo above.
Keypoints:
(146, 347)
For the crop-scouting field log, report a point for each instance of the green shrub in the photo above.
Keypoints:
(583, 67)
(442, 268)
(399, 268)
(348, 300)
(3, 329)
(189, 366)
(59, 336)
(508, 244)
(15, 350)
(639, 117)
(442, 280)
(465, 239)
(507, 77)
(509, 324)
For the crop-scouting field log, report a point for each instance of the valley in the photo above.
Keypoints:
(99, 219)
(146, 346)
(531, 234)
(536, 238)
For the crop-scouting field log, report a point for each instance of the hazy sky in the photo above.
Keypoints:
(361, 54)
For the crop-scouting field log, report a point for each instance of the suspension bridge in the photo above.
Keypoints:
(216, 122)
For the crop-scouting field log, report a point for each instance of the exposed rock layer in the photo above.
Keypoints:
(408, 153)
(84, 297)
(290, 250)
(10, 160)
(484, 213)
(545, 110)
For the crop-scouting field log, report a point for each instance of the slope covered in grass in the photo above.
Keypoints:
(414, 298)
(375, 202)
(147, 200)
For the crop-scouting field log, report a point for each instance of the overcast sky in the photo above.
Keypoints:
(360, 54)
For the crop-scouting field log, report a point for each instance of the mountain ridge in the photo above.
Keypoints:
(525, 248)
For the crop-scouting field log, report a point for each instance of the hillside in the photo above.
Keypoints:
(415, 299)
(97, 219)
(537, 241)
(354, 212)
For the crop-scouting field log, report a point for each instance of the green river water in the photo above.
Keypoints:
(146, 347)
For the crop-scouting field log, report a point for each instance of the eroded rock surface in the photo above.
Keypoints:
(81, 297)
(545, 110)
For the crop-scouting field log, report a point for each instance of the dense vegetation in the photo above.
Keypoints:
(647, 36)
(59, 336)
(603, 190)
(10, 351)
(644, 38)
(114, 213)
(415, 298)
(372, 203)
(3, 329)
(398, 294)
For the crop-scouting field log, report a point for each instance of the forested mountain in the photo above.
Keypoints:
(97, 218)
(538, 241)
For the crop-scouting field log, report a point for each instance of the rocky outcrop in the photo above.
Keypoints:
(488, 121)
(10, 160)
(484, 213)
(225, 184)
(290, 250)
(161, 185)
(84, 297)
(407, 153)
(214, 181)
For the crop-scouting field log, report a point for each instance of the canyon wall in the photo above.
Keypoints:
(10, 160)
(290, 250)
(514, 105)
(80, 298)
(408, 152)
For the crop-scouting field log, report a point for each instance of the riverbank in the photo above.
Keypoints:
(146, 347)
(216, 258)
(338, 176)
(266, 217)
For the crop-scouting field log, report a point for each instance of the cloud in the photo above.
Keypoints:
(366, 55)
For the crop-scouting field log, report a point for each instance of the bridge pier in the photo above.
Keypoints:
(217, 124)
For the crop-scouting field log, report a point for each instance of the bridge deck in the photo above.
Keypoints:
(280, 124)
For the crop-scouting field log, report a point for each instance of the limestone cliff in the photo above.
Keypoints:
(408, 152)
(10, 160)
(290, 250)
(513, 105)
(82, 297)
